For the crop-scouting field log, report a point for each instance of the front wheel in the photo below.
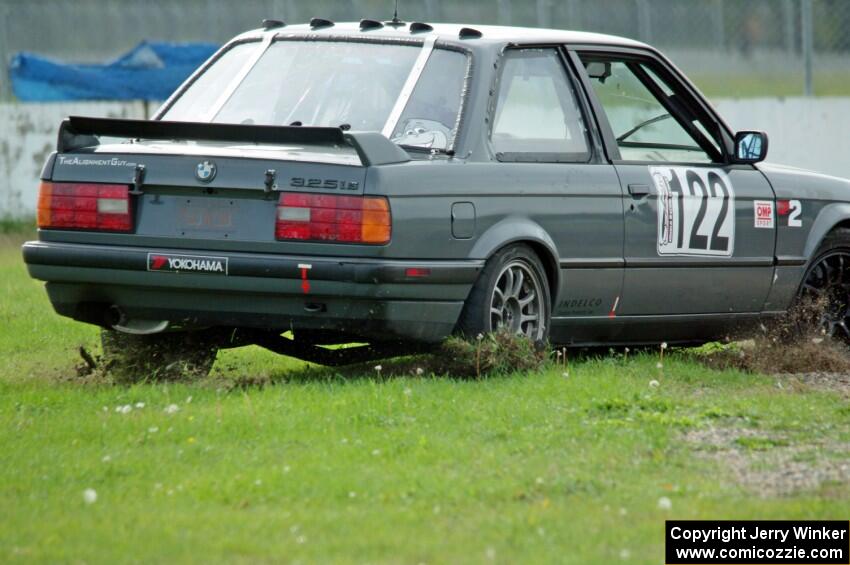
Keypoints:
(511, 294)
(824, 299)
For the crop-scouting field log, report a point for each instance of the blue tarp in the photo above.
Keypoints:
(150, 71)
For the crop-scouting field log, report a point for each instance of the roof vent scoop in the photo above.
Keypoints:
(272, 24)
(366, 25)
(318, 23)
(469, 33)
(417, 27)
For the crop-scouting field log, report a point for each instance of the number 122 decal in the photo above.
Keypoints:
(696, 211)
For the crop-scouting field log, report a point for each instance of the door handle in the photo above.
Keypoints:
(639, 189)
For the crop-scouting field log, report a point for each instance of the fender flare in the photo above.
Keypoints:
(830, 216)
(518, 230)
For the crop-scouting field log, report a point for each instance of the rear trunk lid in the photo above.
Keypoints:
(214, 186)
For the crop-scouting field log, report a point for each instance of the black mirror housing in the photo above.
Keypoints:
(750, 147)
(598, 70)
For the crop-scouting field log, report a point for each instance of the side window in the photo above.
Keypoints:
(649, 120)
(536, 112)
(430, 117)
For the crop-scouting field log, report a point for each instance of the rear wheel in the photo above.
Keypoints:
(164, 356)
(511, 294)
(824, 300)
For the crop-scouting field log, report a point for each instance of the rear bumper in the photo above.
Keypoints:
(371, 298)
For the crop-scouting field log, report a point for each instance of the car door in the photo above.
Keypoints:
(699, 231)
(553, 163)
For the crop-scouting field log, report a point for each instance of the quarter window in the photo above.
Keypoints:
(537, 116)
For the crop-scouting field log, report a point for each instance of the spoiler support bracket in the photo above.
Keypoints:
(138, 180)
(270, 181)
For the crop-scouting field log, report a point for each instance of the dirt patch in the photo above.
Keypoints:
(771, 465)
(133, 359)
(827, 382)
(498, 353)
(797, 343)
(493, 354)
(810, 355)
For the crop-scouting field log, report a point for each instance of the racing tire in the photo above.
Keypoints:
(823, 301)
(511, 293)
(166, 356)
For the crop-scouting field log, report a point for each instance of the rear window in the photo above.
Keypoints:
(202, 95)
(331, 84)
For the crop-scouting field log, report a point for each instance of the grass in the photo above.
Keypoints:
(15, 227)
(770, 85)
(316, 468)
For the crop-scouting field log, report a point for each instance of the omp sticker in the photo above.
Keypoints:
(696, 211)
(763, 214)
(791, 208)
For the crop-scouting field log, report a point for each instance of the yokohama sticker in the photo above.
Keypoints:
(168, 263)
(696, 211)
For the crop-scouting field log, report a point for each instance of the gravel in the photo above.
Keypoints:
(777, 467)
(822, 381)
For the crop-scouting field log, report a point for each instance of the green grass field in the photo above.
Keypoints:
(769, 85)
(318, 468)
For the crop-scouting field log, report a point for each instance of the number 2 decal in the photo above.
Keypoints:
(696, 211)
(795, 209)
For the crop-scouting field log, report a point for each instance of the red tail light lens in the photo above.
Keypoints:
(327, 217)
(77, 206)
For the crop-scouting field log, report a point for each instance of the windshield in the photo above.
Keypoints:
(332, 84)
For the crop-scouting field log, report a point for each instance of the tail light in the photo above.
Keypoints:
(78, 206)
(327, 217)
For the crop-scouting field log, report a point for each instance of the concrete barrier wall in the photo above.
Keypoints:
(28, 135)
(811, 133)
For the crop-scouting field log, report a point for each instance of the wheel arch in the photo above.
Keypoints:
(833, 216)
(512, 231)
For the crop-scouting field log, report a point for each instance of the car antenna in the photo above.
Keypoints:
(395, 21)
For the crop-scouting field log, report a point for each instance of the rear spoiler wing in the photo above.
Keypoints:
(77, 132)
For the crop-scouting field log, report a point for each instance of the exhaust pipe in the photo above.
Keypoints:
(115, 316)
(117, 319)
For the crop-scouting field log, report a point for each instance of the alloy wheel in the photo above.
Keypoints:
(827, 288)
(516, 303)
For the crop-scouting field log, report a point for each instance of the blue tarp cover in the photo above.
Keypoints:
(150, 71)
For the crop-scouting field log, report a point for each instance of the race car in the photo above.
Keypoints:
(392, 183)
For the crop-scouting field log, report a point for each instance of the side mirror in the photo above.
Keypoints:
(750, 146)
(599, 70)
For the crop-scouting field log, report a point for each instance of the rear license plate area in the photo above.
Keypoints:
(207, 217)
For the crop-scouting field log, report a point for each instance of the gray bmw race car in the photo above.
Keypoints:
(391, 183)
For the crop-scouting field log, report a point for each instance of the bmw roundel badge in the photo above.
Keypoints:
(205, 171)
